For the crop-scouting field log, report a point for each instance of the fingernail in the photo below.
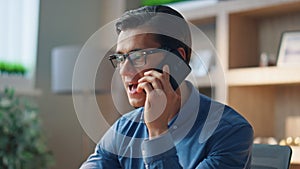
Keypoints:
(166, 68)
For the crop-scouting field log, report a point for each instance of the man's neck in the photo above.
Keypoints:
(185, 93)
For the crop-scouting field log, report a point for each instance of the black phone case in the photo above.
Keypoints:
(179, 69)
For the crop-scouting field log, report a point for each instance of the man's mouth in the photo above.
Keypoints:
(132, 88)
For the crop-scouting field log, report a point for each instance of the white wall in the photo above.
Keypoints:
(63, 22)
(67, 22)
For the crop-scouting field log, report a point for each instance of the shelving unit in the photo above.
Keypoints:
(244, 29)
(263, 76)
(21, 85)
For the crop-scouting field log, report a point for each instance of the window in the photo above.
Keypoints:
(18, 38)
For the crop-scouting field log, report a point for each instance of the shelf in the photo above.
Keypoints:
(21, 85)
(208, 10)
(256, 30)
(263, 76)
(276, 9)
(197, 10)
(29, 92)
(16, 81)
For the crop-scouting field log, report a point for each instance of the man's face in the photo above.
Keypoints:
(129, 41)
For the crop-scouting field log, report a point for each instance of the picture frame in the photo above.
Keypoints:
(289, 49)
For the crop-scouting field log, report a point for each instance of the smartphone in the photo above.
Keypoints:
(179, 69)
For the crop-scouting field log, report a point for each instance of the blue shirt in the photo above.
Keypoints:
(204, 135)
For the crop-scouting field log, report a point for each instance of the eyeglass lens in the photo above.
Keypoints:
(136, 58)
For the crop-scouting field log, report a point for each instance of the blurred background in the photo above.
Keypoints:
(35, 39)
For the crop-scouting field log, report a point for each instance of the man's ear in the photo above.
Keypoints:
(182, 53)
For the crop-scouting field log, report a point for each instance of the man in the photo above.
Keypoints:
(173, 125)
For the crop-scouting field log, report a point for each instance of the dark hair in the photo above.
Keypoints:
(171, 29)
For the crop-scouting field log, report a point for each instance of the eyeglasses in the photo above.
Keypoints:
(136, 58)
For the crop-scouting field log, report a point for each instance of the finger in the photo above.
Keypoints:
(144, 86)
(155, 82)
(164, 77)
(166, 71)
(157, 74)
(153, 72)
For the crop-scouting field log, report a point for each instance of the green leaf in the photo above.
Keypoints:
(22, 142)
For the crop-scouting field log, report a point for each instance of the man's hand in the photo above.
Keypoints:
(162, 102)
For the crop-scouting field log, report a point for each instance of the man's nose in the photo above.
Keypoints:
(127, 68)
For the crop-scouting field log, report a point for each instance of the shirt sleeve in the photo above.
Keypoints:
(231, 149)
(101, 159)
(160, 153)
(104, 156)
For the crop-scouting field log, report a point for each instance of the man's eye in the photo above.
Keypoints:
(120, 58)
(136, 55)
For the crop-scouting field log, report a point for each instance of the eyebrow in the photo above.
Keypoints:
(133, 50)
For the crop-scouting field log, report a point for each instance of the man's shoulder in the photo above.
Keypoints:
(229, 116)
(224, 120)
(234, 118)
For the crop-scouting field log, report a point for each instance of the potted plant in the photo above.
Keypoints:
(22, 144)
(12, 68)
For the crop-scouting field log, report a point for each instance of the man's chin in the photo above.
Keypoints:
(137, 103)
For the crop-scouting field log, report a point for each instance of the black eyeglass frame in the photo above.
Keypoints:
(145, 53)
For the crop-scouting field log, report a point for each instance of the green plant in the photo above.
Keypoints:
(158, 2)
(22, 145)
(12, 68)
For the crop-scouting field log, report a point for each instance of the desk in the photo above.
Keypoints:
(295, 166)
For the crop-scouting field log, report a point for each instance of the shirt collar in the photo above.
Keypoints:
(190, 108)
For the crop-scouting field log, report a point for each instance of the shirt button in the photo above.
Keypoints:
(174, 127)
